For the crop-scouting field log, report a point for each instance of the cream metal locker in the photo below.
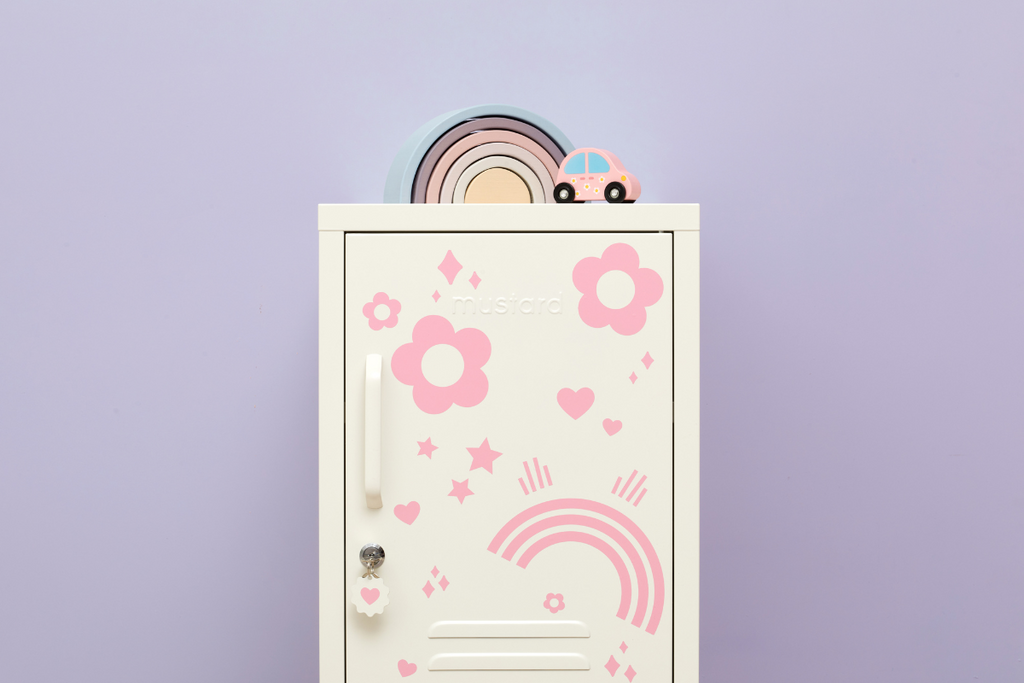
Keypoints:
(509, 405)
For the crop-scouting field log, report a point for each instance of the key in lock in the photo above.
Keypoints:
(371, 556)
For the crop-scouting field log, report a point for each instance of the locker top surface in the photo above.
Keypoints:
(509, 217)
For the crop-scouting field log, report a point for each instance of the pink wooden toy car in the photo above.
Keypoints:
(590, 173)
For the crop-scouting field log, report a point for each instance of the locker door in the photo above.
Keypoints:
(524, 423)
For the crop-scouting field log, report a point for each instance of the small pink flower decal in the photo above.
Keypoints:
(407, 365)
(554, 603)
(381, 299)
(647, 289)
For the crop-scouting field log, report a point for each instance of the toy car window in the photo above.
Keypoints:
(598, 164)
(575, 164)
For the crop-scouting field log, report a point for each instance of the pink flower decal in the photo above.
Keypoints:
(647, 289)
(554, 603)
(407, 365)
(379, 299)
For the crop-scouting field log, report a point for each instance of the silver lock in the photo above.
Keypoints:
(371, 556)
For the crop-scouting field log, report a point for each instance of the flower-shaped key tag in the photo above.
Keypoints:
(369, 594)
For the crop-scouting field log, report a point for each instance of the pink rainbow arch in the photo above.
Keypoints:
(625, 544)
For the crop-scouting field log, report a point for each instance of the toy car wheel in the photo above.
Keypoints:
(615, 193)
(565, 193)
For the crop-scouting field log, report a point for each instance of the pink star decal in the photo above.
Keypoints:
(632, 377)
(630, 673)
(623, 647)
(483, 457)
(443, 583)
(450, 267)
(460, 489)
(435, 296)
(612, 665)
(428, 588)
(474, 280)
(647, 360)
(426, 448)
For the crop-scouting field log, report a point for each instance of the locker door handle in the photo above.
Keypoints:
(371, 434)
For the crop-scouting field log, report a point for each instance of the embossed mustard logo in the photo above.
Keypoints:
(502, 305)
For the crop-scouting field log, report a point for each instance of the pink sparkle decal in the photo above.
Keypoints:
(612, 665)
(632, 377)
(460, 490)
(426, 448)
(628, 482)
(647, 360)
(630, 673)
(443, 583)
(540, 477)
(474, 280)
(483, 457)
(450, 267)
(611, 426)
(435, 296)
(623, 647)
(636, 488)
(428, 588)
(435, 571)
(575, 403)
(529, 475)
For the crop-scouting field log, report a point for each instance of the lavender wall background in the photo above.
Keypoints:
(860, 168)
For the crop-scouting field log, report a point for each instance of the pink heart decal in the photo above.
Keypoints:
(408, 513)
(405, 668)
(370, 595)
(611, 426)
(575, 403)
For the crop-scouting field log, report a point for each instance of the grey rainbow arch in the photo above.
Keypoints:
(430, 158)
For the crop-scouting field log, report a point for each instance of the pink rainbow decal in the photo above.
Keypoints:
(658, 603)
(597, 525)
(593, 541)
